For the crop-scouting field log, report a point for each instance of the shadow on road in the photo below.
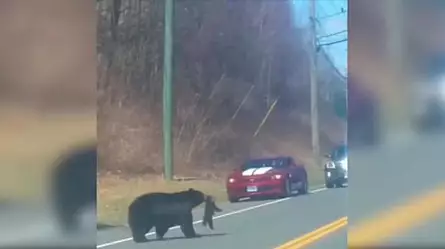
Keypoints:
(269, 198)
(182, 237)
(102, 226)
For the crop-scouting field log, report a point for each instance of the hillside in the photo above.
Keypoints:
(233, 59)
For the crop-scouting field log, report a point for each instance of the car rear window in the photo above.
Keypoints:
(260, 163)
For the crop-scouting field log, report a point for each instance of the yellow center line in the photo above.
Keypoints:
(397, 220)
(315, 235)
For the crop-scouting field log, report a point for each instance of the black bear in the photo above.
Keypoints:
(165, 210)
(74, 186)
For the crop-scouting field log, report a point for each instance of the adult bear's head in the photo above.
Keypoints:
(196, 197)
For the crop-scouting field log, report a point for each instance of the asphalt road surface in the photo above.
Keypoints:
(396, 194)
(34, 225)
(249, 224)
(396, 197)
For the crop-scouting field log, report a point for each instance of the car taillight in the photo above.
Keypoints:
(231, 180)
(277, 177)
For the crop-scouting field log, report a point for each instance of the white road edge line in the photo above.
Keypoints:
(216, 217)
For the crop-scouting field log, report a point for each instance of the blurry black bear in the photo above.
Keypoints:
(74, 186)
(363, 116)
(165, 210)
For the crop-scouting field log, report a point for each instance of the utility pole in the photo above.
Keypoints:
(314, 85)
(394, 107)
(167, 90)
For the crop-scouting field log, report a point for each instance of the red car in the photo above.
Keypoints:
(279, 177)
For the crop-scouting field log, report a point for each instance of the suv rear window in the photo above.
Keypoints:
(340, 152)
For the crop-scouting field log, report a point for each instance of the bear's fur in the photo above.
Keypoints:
(163, 211)
(74, 185)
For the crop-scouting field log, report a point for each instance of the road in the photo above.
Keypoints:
(250, 224)
(33, 225)
(396, 196)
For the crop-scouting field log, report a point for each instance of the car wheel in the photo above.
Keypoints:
(305, 188)
(233, 199)
(287, 189)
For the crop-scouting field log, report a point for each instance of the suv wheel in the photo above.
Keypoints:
(330, 185)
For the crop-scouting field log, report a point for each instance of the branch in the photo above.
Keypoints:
(265, 117)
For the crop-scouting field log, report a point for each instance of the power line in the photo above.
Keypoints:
(329, 35)
(319, 21)
(328, 59)
(343, 11)
(331, 43)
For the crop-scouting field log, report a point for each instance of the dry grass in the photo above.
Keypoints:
(30, 142)
(116, 193)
